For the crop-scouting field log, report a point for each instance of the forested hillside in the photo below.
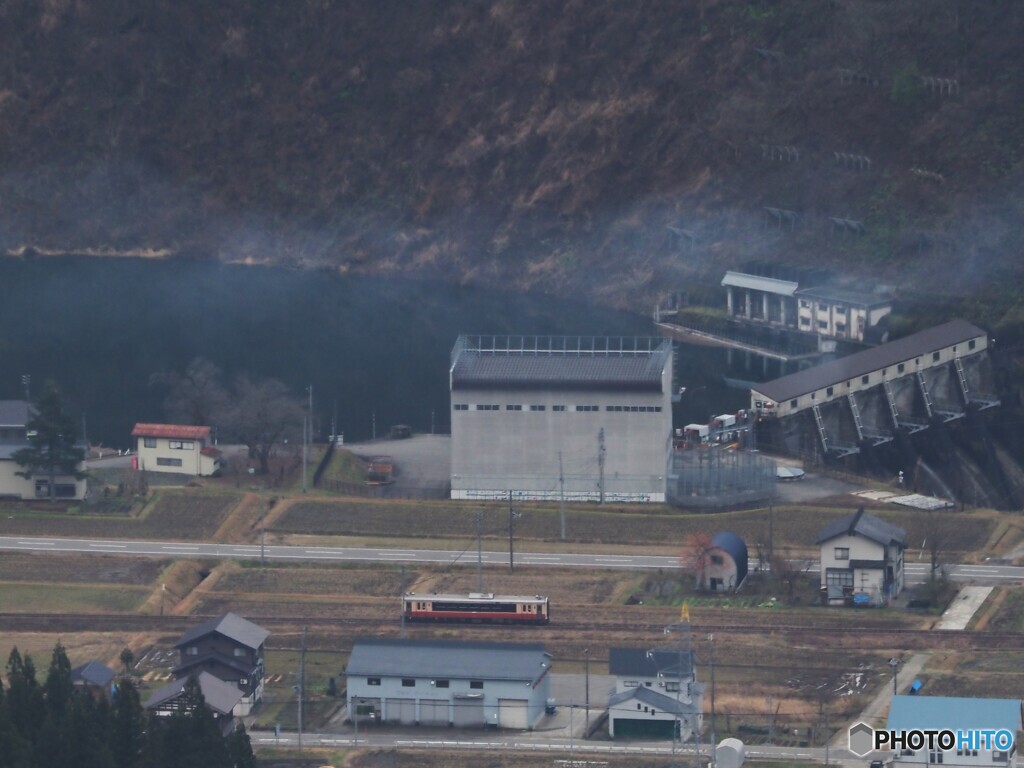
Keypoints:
(550, 145)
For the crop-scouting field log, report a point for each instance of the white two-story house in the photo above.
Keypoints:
(176, 448)
(654, 689)
(861, 560)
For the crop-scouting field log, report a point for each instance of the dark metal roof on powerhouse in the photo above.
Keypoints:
(631, 370)
(868, 361)
(395, 657)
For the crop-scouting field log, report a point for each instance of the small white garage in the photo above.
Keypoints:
(446, 682)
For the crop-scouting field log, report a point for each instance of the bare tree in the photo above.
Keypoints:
(264, 414)
(195, 397)
(697, 557)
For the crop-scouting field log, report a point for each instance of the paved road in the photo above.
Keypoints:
(525, 742)
(915, 572)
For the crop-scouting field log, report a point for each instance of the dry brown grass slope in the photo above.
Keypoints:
(543, 144)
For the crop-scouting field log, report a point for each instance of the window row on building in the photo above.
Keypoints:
(410, 682)
(558, 408)
(174, 445)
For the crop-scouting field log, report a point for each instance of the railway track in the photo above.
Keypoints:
(896, 637)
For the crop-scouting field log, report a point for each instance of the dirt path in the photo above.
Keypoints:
(240, 520)
(203, 588)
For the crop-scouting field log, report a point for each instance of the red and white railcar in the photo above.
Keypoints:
(476, 607)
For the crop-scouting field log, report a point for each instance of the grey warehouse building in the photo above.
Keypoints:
(590, 418)
(446, 682)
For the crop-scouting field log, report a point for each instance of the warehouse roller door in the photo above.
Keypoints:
(434, 711)
(400, 711)
(468, 710)
(512, 714)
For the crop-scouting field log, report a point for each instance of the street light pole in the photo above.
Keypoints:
(586, 690)
(894, 663)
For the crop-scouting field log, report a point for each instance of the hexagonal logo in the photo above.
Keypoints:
(862, 739)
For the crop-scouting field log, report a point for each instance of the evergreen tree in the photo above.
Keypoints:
(58, 688)
(190, 738)
(240, 749)
(88, 732)
(54, 744)
(51, 449)
(128, 726)
(24, 697)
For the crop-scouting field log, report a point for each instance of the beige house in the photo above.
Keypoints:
(176, 448)
(861, 560)
(14, 415)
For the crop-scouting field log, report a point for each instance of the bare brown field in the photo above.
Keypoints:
(46, 566)
(190, 514)
(793, 526)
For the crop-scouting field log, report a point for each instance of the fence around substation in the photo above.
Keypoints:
(716, 479)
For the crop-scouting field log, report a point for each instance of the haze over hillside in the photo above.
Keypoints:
(546, 144)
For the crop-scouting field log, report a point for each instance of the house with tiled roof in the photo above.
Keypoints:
(231, 649)
(177, 448)
(861, 560)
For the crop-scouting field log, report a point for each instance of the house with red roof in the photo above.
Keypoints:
(176, 448)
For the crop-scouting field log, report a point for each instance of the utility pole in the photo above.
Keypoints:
(263, 527)
(305, 451)
(771, 532)
(402, 631)
(311, 414)
(714, 730)
(682, 648)
(600, 464)
(302, 683)
(828, 736)
(479, 552)
(431, 421)
(586, 690)
(26, 382)
(374, 416)
(511, 529)
(561, 494)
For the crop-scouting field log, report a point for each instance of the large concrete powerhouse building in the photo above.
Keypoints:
(541, 416)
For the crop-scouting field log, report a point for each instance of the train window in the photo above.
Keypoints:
(441, 683)
(476, 684)
(373, 681)
(408, 682)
